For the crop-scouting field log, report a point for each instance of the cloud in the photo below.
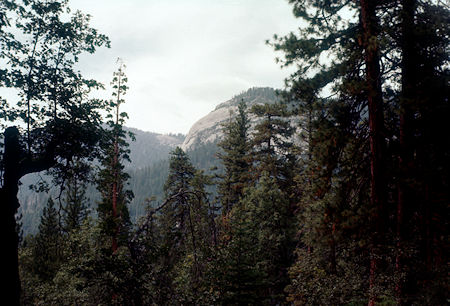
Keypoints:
(186, 56)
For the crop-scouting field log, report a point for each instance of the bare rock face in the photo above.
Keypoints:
(209, 128)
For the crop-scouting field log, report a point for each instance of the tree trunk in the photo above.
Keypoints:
(376, 126)
(10, 204)
(115, 191)
(114, 197)
(406, 153)
(16, 163)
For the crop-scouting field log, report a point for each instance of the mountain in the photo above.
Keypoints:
(149, 155)
(209, 128)
(200, 144)
(147, 150)
(150, 147)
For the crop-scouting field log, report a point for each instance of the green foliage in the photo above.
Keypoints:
(67, 286)
(297, 225)
(254, 250)
(57, 122)
(76, 203)
(87, 272)
(40, 59)
(184, 226)
(337, 222)
(311, 282)
(235, 158)
(112, 178)
(269, 212)
(47, 244)
(273, 150)
(234, 274)
(175, 214)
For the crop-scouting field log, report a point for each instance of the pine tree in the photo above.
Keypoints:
(235, 277)
(349, 44)
(235, 158)
(177, 188)
(255, 232)
(112, 179)
(76, 203)
(192, 282)
(185, 232)
(268, 210)
(422, 185)
(273, 150)
(378, 68)
(48, 243)
(173, 222)
(332, 214)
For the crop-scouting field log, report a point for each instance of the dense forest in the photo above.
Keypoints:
(354, 213)
(148, 171)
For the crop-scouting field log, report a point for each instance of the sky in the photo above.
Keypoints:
(184, 57)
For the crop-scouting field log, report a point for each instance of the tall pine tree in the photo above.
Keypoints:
(235, 157)
(112, 179)
(377, 62)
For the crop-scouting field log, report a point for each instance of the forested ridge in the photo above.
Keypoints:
(148, 171)
(355, 213)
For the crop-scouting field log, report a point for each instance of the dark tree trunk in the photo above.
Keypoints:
(376, 126)
(10, 204)
(406, 153)
(17, 162)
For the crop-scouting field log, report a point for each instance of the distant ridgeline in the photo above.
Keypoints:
(149, 159)
(209, 128)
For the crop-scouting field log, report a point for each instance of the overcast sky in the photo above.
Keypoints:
(184, 57)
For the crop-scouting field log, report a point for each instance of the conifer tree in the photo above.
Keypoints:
(76, 205)
(267, 209)
(235, 277)
(235, 158)
(272, 144)
(112, 179)
(372, 51)
(173, 224)
(332, 214)
(185, 230)
(422, 185)
(241, 270)
(349, 45)
(48, 244)
(191, 280)
(174, 216)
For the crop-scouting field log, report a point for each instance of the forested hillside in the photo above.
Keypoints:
(149, 162)
(148, 165)
(331, 191)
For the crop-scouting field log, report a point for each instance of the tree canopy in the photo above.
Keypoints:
(335, 195)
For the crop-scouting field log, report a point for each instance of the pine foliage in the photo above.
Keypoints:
(352, 214)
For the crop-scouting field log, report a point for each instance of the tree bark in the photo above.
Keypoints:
(376, 126)
(17, 162)
(405, 154)
(114, 198)
(10, 204)
(115, 191)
